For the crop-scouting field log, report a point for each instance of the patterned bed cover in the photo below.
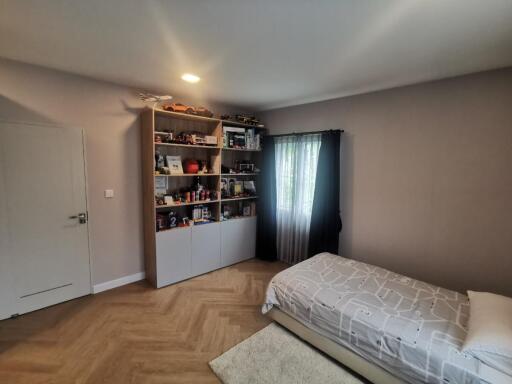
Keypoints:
(412, 329)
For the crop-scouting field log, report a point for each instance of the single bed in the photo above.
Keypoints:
(389, 328)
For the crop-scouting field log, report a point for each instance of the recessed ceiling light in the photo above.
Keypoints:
(190, 78)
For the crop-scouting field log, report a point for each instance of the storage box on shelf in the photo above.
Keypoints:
(176, 205)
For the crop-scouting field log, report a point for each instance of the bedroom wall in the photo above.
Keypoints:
(427, 177)
(108, 113)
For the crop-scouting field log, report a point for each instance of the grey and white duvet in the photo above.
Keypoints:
(412, 329)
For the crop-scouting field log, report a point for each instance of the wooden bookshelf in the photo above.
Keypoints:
(175, 254)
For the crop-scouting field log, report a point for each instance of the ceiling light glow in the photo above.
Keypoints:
(190, 78)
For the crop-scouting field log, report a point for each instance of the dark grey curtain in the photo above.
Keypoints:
(325, 217)
(266, 243)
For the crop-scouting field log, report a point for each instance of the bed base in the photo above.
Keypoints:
(368, 370)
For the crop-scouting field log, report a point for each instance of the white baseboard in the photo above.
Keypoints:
(118, 282)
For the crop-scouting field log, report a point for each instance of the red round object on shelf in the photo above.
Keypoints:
(191, 166)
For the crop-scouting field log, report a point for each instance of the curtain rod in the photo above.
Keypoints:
(306, 133)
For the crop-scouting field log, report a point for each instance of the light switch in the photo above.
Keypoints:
(109, 193)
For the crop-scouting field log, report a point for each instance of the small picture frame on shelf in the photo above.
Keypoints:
(160, 184)
(175, 165)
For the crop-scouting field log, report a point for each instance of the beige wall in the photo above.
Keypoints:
(109, 116)
(427, 177)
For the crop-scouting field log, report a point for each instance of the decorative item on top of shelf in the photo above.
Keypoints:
(249, 188)
(197, 193)
(178, 107)
(174, 219)
(232, 188)
(168, 221)
(237, 209)
(241, 138)
(248, 119)
(224, 188)
(155, 99)
(201, 214)
(241, 167)
(244, 166)
(188, 109)
(244, 119)
(236, 187)
(174, 165)
(226, 212)
(191, 166)
(159, 200)
(164, 137)
(202, 111)
(189, 138)
(168, 200)
(159, 161)
(252, 204)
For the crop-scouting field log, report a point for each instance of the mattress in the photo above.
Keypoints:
(409, 328)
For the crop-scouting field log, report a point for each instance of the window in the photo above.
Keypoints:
(296, 165)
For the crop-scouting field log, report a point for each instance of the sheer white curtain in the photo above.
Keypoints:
(296, 163)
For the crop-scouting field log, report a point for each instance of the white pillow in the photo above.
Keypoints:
(489, 336)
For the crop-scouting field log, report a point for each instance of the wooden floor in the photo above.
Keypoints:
(137, 334)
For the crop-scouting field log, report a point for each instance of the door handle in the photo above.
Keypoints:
(82, 217)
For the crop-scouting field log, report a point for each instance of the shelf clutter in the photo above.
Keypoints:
(198, 170)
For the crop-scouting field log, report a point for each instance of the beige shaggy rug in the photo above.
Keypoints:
(274, 355)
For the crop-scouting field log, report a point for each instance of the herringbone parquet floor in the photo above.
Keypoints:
(137, 334)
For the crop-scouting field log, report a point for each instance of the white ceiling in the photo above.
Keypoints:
(261, 53)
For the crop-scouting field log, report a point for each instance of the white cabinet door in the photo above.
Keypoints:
(238, 240)
(173, 256)
(205, 248)
(44, 248)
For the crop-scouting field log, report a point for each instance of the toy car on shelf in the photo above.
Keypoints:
(244, 119)
(180, 108)
(188, 109)
(202, 111)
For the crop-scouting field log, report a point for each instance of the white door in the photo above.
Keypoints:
(44, 250)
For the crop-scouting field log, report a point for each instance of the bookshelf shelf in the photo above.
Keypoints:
(199, 202)
(241, 149)
(188, 226)
(191, 175)
(239, 174)
(185, 116)
(188, 145)
(239, 198)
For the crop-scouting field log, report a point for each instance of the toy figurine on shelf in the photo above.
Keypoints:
(159, 200)
(159, 161)
(169, 138)
(203, 169)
